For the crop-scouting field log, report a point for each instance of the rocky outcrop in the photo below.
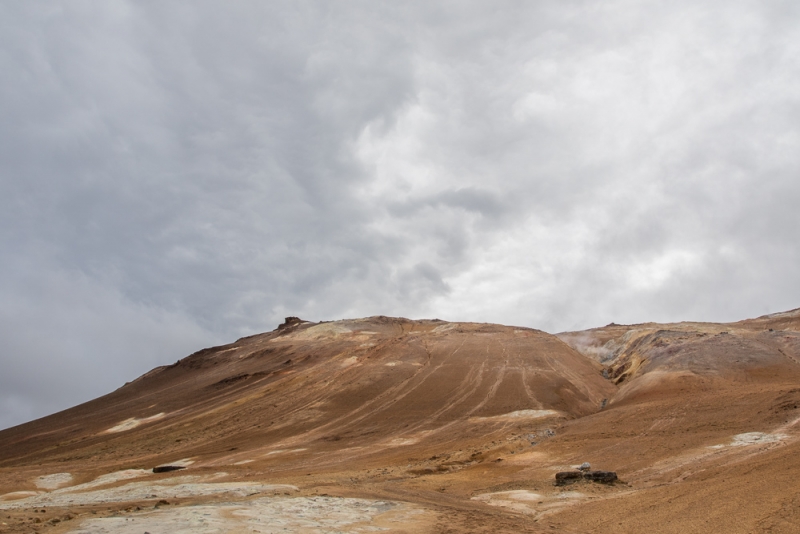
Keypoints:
(167, 468)
(289, 322)
(604, 477)
(568, 477)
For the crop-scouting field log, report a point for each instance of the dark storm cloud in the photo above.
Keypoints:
(174, 175)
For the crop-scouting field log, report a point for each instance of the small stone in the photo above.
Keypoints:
(585, 466)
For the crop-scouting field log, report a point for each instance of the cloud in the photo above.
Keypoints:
(173, 175)
(68, 338)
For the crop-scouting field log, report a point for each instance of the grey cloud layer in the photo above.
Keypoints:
(175, 175)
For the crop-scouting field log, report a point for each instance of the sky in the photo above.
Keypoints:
(176, 175)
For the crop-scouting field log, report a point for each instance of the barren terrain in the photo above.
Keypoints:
(392, 425)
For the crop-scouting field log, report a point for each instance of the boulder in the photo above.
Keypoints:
(568, 477)
(167, 468)
(289, 322)
(604, 477)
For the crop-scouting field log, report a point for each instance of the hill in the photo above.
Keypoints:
(415, 426)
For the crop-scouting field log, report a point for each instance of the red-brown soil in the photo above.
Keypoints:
(465, 423)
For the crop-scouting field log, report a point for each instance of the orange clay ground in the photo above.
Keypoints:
(391, 425)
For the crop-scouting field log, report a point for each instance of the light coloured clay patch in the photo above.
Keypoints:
(519, 414)
(170, 488)
(445, 327)
(266, 515)
(56, 480)
(183, 462)
(751, 438)
(110, 478)
(408, 439)
(401, 442)
(514, 495)
(130, 424)
(347, 362)
(518, 500)
(270, 453)
(528, 502)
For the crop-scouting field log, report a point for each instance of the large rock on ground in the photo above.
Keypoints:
(568, 477)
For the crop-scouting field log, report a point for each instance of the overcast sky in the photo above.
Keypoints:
(175, 175)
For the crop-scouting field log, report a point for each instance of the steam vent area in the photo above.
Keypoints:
(392, 425)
